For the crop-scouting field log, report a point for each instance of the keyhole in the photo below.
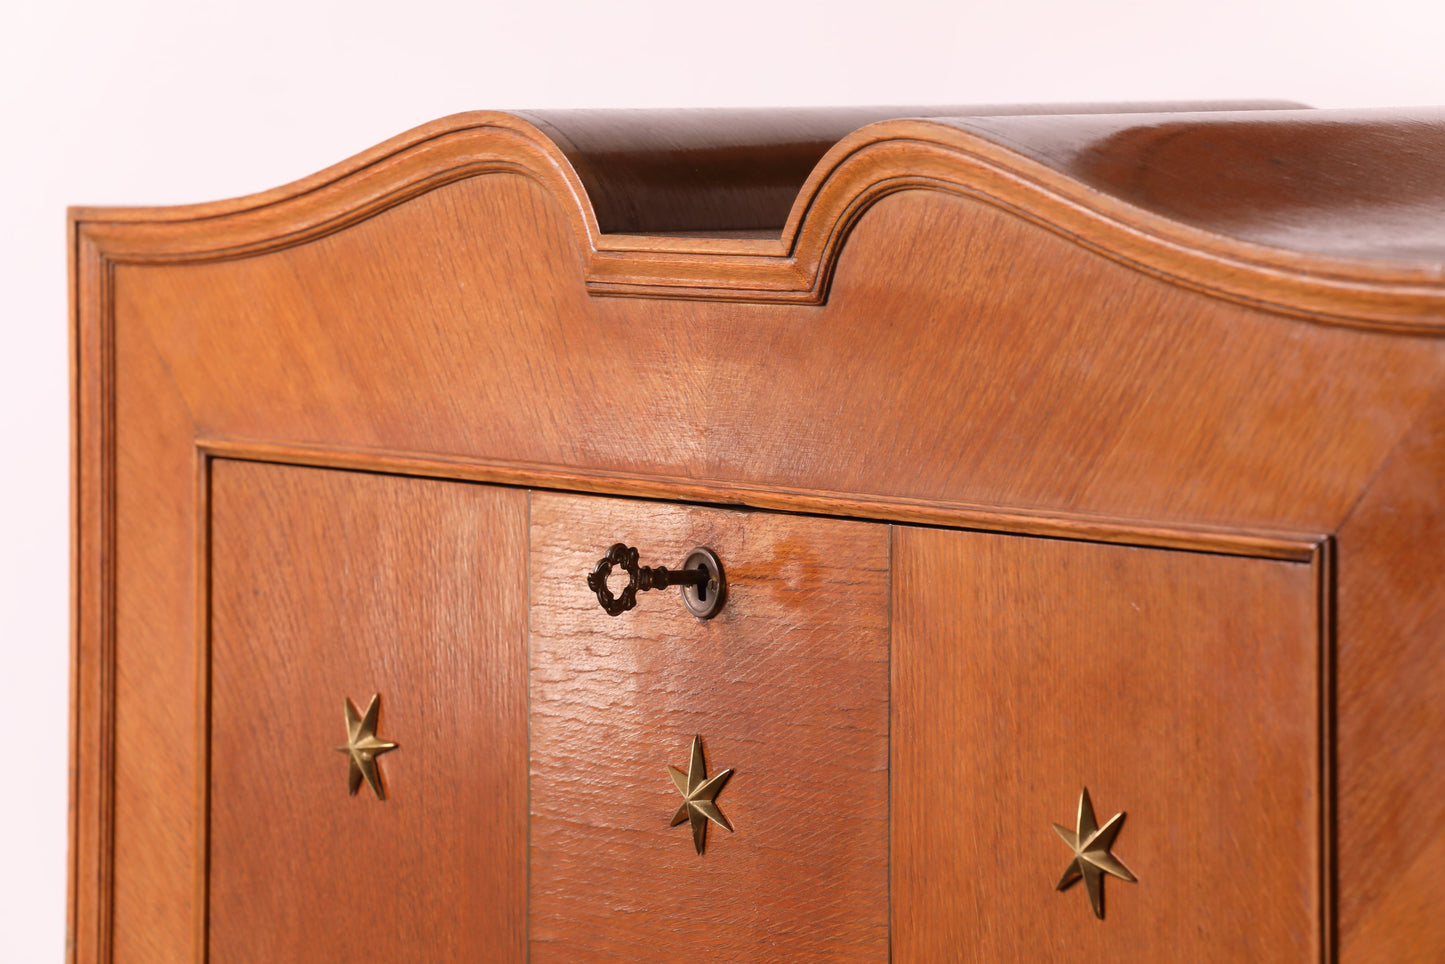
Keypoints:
(705, 598)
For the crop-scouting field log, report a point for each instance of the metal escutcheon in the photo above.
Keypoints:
(701, 577)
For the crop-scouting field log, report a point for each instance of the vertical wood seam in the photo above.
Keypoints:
(892, 627)
(527, 695)
(202, 908)
(1324, 566)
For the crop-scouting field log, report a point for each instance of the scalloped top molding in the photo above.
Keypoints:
(1337, 216)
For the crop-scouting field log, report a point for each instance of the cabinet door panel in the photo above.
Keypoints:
(1182, 688)
(328, 585)
(788, 686)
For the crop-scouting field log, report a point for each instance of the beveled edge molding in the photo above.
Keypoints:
(90, 851)
(404, 167)
(1263, 544)
(867, 165)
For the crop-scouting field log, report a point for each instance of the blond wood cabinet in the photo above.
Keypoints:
(1042, 450)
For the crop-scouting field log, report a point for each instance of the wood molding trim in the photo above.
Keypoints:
(92, 737)
(874, 161)
(1287, 546)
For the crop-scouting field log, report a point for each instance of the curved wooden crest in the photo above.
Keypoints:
(1330, 215)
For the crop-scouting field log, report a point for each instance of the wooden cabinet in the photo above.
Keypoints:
(1044, 452)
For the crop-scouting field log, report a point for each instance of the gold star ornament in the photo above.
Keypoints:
(363, 746)
(1092, 859)
(698, 795)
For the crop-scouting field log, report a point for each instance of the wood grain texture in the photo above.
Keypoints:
(329, 585)
(154, 727)
(954, 363)
(788, 686)
(1181, 688)
(1391, 719)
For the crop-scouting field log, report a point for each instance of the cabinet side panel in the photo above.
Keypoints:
(1179, 688)
(333, 585)
(1391, 724)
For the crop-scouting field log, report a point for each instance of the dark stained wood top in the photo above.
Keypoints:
(1365, 184)
(722, 171)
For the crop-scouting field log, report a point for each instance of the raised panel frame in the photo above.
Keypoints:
(143, 446)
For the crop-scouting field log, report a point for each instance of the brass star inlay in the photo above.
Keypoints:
(1092, 859)
(698, 793)
(363, 746)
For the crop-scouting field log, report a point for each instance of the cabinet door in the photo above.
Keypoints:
(328, 586)
(787, 687)
(1181, 688)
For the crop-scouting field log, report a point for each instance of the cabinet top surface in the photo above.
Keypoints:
(1365, 184)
